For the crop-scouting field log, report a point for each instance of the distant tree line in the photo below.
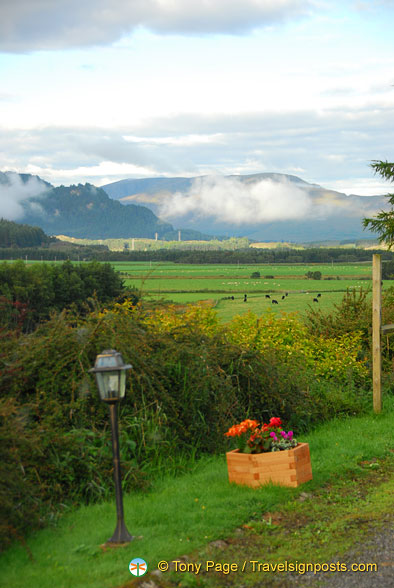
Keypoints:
(88, 212)
(249, 255)
(17, 235)
(56, 252)
(237, 256)
(29, 293)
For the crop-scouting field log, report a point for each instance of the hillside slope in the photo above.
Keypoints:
(77, 211)
(324, 214)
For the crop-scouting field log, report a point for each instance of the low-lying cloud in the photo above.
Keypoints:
(14, 192)
(230, 200)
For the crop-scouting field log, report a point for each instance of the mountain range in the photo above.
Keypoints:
(324, 214)
(262, 207)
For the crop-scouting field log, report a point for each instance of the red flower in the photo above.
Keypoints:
(255, 438)
(275, 422)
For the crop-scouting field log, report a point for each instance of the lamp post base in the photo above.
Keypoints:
(121, 534)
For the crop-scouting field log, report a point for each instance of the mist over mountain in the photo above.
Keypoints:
(262, 207)
(266, 206)
(15, 189)
(76, 211)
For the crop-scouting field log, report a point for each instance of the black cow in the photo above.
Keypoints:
(274, 301)
(283, 297)
(318, 296)
(267, 296)
(315, 300)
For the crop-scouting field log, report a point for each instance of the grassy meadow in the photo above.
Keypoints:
(217, 284)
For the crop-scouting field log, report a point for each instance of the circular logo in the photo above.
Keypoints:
(138, 566)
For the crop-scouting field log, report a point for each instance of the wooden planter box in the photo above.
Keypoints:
(291, 467)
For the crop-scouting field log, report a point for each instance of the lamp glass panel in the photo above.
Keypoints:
(122, 384)
(108, 384)
(112, 384)
(100, 385)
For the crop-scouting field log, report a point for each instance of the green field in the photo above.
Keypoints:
(181, 283)
(244, 271)
(189, 283)
(233, 285)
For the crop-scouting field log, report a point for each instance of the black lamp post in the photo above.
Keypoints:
(110, 372)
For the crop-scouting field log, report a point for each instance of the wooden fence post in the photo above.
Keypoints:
(376, 328)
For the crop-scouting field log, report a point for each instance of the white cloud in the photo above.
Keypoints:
(257, 201)
(186, 140)
(105, 171)
(320, 147)
(14, 192)
(230, 200)
(27, 25)
(311, 97)
(360, 186)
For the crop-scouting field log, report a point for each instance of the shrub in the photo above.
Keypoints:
(314, 275)
(20, 497)
(44, 288)
(354, 313)
(43, 469)
(337, 358)
(191, 378)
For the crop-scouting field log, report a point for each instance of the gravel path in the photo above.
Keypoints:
(379, 549)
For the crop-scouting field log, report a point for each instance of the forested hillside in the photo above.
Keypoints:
(87, 211)
(17, 235)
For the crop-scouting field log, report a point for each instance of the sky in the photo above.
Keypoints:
(102, 90)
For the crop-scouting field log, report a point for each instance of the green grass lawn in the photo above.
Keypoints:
(185, 297)
(243, 271)
(234, 285)
(182, 515)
